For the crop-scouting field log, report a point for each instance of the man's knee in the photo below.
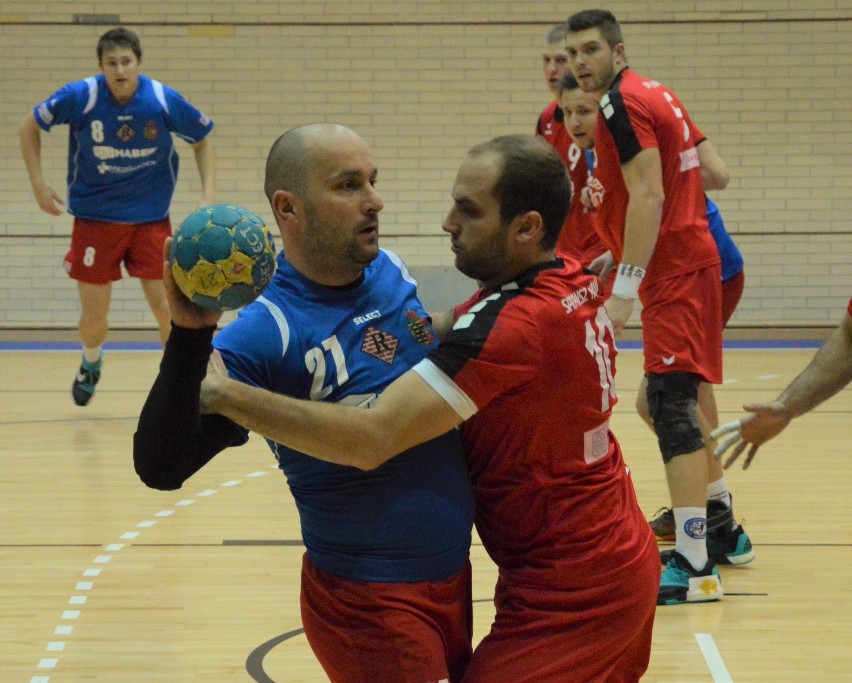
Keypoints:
(672, 406)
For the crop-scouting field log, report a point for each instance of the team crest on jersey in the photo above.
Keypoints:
(150, 131)
(380, 344)
(124, 133)
(593, 193)
(419, 328)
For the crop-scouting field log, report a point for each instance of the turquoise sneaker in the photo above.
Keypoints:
(724, 544)
(680, 583)
(85, 381)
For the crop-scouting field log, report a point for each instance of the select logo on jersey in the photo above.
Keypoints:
(380, 344)
(150, 131)
(372, 315)
(696, 527)
(419, 328)
(668, 360)
(124, 133)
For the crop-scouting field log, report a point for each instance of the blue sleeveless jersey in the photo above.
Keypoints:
(122, 164)
(411, 518)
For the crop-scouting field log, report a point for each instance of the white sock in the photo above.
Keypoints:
(92, 355)
(718, 490)
(693, 546)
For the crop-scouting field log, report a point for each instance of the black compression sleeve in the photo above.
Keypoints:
(173, 440)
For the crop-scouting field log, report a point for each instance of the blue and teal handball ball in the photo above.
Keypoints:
(222, 257)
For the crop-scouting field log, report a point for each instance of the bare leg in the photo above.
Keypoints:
(94, 306)
(155, 293)
(707, 406)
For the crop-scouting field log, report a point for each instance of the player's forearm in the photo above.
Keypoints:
(407, 413)
(714, 172)
(205, 160)
(344, 435)
(828, 372)
(30, 138)
(173, 440)
(642, 227)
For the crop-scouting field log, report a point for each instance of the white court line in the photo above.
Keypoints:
(713, 658)
(71, 615)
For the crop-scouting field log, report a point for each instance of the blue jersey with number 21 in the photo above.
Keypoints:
(411, 518)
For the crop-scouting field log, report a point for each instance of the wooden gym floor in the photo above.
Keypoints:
(102, 579)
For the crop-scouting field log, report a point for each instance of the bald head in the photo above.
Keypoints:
(294, 155)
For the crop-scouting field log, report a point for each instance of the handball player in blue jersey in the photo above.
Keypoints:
(386, 592)
(122, 169)
(527, 370)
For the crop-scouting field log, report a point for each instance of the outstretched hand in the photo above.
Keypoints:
(184, 312)
(765, 421)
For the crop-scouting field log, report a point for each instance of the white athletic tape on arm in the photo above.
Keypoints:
(627, 281)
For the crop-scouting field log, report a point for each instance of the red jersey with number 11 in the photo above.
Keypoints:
(530, 367)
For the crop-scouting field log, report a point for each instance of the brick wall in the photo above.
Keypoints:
(769, 81)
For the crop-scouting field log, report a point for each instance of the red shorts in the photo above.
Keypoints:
(682, 324)
(400, 632)
(98, 250)
(591, 635)
(732, 291)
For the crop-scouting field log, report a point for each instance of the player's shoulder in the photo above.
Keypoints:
(83, 89)
(389, 266)
(549, 112)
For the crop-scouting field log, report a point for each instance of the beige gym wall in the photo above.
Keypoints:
(769, 82)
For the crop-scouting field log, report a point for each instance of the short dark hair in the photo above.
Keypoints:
(566, 82)
(557, 34)
(287, 163)
(119, 37)
(532, 178)
(597, 18)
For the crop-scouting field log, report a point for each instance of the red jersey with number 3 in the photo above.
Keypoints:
(530, 367)
(639, 113)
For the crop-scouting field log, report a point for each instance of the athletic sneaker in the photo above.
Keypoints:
(663, 524)
(726, 544)
(85, 381)
(681, 583)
